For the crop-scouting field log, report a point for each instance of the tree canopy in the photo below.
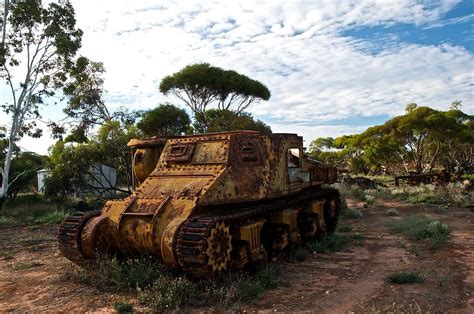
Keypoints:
(199, 85)
(225, 120)
(417, 141)
(164, 120)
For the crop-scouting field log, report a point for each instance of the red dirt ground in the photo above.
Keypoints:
(354, 280)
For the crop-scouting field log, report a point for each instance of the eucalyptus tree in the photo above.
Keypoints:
(200, 85)
(39, 48)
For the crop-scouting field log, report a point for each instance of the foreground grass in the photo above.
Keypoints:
(421, 228)
(160, 289)
(33, 209)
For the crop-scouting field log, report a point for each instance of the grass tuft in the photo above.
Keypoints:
(352, 213)
(344, 228)
(405, 278)
(422, 228)
(123, 307)
(27, 265)
(331, 243)
(53, 218)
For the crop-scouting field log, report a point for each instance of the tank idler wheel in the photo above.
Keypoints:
(219, 247)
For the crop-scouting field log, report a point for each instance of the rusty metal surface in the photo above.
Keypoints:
(210, 180)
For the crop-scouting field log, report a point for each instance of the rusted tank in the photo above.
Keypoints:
(209, 203)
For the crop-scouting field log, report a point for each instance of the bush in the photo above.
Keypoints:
(53, 218)
(331, 243)
(459, 194)
(405, 278)
(422, 228)
(369, 199)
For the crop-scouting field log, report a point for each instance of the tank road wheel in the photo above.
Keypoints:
(219, 247)
(203, 247)
(332, 209)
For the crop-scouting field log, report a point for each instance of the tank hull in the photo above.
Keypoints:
(212, 202)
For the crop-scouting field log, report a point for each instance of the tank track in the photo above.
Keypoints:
(69, 235)
(192, 237)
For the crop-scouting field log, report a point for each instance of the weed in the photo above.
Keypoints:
(123, 307)
(419, 227)
(352, 213)
(405, 278)
(331, 243)
(27, 265)
(53, 218)
(344, 228)
(393, 212)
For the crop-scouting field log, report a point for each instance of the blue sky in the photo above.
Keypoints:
(333, 67)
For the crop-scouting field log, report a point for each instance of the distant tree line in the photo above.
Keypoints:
(421, 140)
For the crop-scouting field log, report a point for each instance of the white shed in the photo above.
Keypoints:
(101, 179)
(42, 175)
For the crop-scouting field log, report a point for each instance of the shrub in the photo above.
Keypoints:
(459, 194)
(331, 243)
(419, 227)
(424, 193)
(393, 212)
(369, 199)
(405, 278)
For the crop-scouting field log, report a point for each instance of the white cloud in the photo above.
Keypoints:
(294, 47)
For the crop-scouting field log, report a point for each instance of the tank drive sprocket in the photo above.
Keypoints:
(69, 235)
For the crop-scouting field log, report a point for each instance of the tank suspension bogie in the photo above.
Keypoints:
(208, 245)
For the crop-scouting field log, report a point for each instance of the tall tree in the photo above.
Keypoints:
(199, 85)
(40, 43)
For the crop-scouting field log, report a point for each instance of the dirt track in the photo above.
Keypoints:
(32, 271)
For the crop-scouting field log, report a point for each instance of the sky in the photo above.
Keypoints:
(333, 67)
